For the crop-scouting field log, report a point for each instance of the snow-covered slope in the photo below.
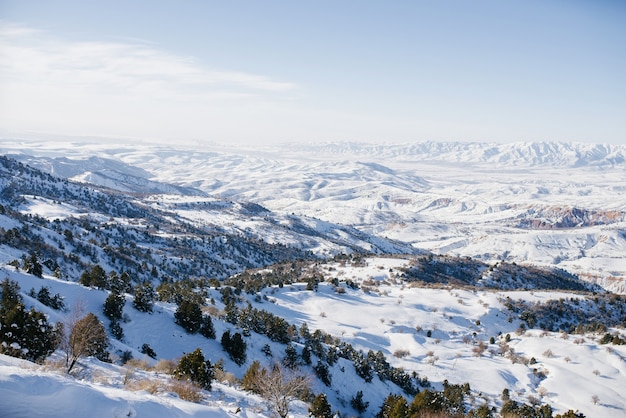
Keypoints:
(546, 203)
(442, 334)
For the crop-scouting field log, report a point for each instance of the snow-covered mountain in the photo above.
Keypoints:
(546, 203)
(313, 268)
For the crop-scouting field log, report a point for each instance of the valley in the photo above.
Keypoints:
(492, 273)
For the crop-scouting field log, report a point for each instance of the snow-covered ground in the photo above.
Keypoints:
(387, 315)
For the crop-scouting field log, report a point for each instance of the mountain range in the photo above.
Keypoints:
(549, 204)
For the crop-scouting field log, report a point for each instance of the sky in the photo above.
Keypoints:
(259, 72)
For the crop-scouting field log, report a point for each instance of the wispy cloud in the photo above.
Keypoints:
(31, 56)
(128, 88)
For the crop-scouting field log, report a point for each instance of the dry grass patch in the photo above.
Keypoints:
(186, 390)
(152, 386)
(165, 366)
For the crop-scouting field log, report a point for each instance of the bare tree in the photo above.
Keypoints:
(281, 386)
(77, 312)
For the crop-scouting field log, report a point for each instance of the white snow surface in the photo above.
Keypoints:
(391, 316)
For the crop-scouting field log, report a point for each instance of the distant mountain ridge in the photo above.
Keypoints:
(516, 154)
(545, 203)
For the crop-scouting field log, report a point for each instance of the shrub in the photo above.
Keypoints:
(358, 403)
(320, 408)
(186, 390)
(148, 351)
(194, 367)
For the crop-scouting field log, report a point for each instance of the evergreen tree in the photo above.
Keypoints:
(195, 367)
(114, 306)
(394, 406)
(144, 297)
(32, 265)
(206, 329)
(119, 284)
(427, 402)
(358, 403)
(252, 376)
(189, 316)
(306, 355)
(235, 346)
(95, 277)
(321, 371)
(25, 334)
(291, 357)
(320, 408)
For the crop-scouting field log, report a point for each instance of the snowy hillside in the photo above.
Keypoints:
(360, 316)
(360, 306)
(554, 204)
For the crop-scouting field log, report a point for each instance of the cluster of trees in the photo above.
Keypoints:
(28, 334)
(574, 315)
(24, 333)
(325, 347)
(235, 346)
(44, 296)
(189, 316)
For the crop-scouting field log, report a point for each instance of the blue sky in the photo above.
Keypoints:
(276, 71)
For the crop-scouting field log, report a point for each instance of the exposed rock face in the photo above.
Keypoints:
(556, 218)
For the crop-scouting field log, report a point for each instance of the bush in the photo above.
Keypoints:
(186, 390)
(195, 368)
(148, 351)
(320, 408)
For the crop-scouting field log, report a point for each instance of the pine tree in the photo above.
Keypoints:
(235, 346)
(321, 371)
(206, 329)
(251, 377)
(320, 408)
(394, 406)
(195, 367)
(32, 265)
(291, 357)
(114, 306)
(358, 403)
(25, 334)
(144, 297)
(189, 316)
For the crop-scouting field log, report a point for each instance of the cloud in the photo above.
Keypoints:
(31, 56)
(128, 88)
